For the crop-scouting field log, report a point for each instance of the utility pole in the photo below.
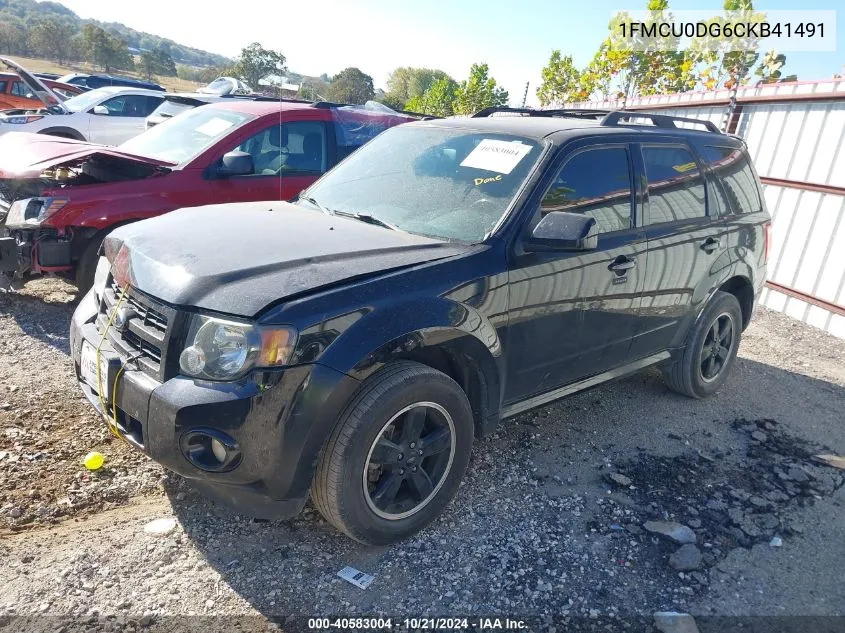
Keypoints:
(525, 96)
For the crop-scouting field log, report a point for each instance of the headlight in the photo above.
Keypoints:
(33, 211)
(22, 118)
(101, 275)
(218, 349)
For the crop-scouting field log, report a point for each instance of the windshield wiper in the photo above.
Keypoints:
(313, 202)
(369, 219)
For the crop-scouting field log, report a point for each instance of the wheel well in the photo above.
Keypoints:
(63, 133)
(741, 288)
(464, 371)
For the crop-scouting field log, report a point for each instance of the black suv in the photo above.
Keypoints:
(447, 276)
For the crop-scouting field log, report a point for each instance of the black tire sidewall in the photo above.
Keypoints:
(434, 387)
(721, 303)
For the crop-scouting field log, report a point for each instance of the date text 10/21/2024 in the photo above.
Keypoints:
(418, 624)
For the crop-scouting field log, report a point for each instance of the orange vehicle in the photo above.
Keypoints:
(14, 93)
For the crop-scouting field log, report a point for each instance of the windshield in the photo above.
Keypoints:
(186, 135)
(86, 100)
(440, 182)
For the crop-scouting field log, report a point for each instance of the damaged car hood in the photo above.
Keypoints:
(239, 258)
(26, 155)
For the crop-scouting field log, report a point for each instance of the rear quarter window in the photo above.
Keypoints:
(737, 190)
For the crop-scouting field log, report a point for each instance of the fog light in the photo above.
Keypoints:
(210, 450)
(218, 449)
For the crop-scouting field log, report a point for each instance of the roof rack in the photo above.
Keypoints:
(330, 104)
(564, 112)
(618, 117)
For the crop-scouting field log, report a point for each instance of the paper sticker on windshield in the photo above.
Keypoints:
(214, 127)
(494, 155)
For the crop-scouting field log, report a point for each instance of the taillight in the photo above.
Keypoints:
(767, 241)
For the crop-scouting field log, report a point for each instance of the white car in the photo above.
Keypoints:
(108, 116)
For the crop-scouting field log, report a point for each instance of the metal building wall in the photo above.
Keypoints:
(795, 134)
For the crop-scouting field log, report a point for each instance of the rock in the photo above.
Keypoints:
(694, 523)
(160, 526)
(15, 512)
(146, 619)
(776, 541)
(798, 475)
(759, 436)
(687, 558)
(676, 532)
(620, 479)
(736, 515)
(672, 622)
(209, 604)
(759, 502)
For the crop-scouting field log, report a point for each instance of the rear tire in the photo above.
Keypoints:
(396, 456)
(710, 351)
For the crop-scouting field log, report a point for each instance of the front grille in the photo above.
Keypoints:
(143, 339)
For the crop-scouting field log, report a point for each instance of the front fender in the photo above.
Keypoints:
(436, 331)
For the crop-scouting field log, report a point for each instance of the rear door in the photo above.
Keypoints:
(573, 314)
(683, 243)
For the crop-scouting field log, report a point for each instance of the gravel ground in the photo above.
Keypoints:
(559, 519)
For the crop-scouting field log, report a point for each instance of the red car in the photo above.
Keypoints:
(15, 94)
(61, 197)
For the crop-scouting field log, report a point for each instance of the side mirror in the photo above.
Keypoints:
(101, 110)
(562, 231)
(235, 163)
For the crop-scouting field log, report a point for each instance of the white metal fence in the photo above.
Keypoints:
(795, 134)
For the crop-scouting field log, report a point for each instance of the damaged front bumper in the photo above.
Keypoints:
(272, 424)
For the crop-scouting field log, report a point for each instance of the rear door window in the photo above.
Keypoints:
(739, 192)
(597, 183)
(19, 89)
(675, 185)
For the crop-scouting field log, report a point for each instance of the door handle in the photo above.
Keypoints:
(710, 245)
(622, 264)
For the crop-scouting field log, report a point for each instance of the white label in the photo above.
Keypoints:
(357, 578)
(499, 156)
(88, 367)
(214, 127)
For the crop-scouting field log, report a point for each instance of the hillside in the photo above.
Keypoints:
(18, 17)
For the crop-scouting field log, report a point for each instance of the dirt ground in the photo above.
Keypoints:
(553, 524)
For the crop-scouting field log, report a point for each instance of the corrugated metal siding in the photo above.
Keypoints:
(799, 141)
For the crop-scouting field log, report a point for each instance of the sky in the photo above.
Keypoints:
(325, 36)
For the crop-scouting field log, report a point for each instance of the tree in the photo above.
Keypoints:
(256, 62)
(479, 91)
(54, 39)
(408, 82)
(438, 100)
(105, 50)
(561, 81)
(350, 86)
(12, 37)
(157, 62)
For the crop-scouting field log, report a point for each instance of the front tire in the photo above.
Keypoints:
(86, 266)
(710, 351)
(397, 455)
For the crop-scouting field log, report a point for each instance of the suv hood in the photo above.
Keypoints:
(38, 87)
(240, 258)
(27, 155)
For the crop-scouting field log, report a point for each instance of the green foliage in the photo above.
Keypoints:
(561, 81)
(54, 38)
(19, 19)
(479, 91)
(104, 50)
(157, 62)
(438, 100)
(406, 83)
(350, 86)
(256, 62)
